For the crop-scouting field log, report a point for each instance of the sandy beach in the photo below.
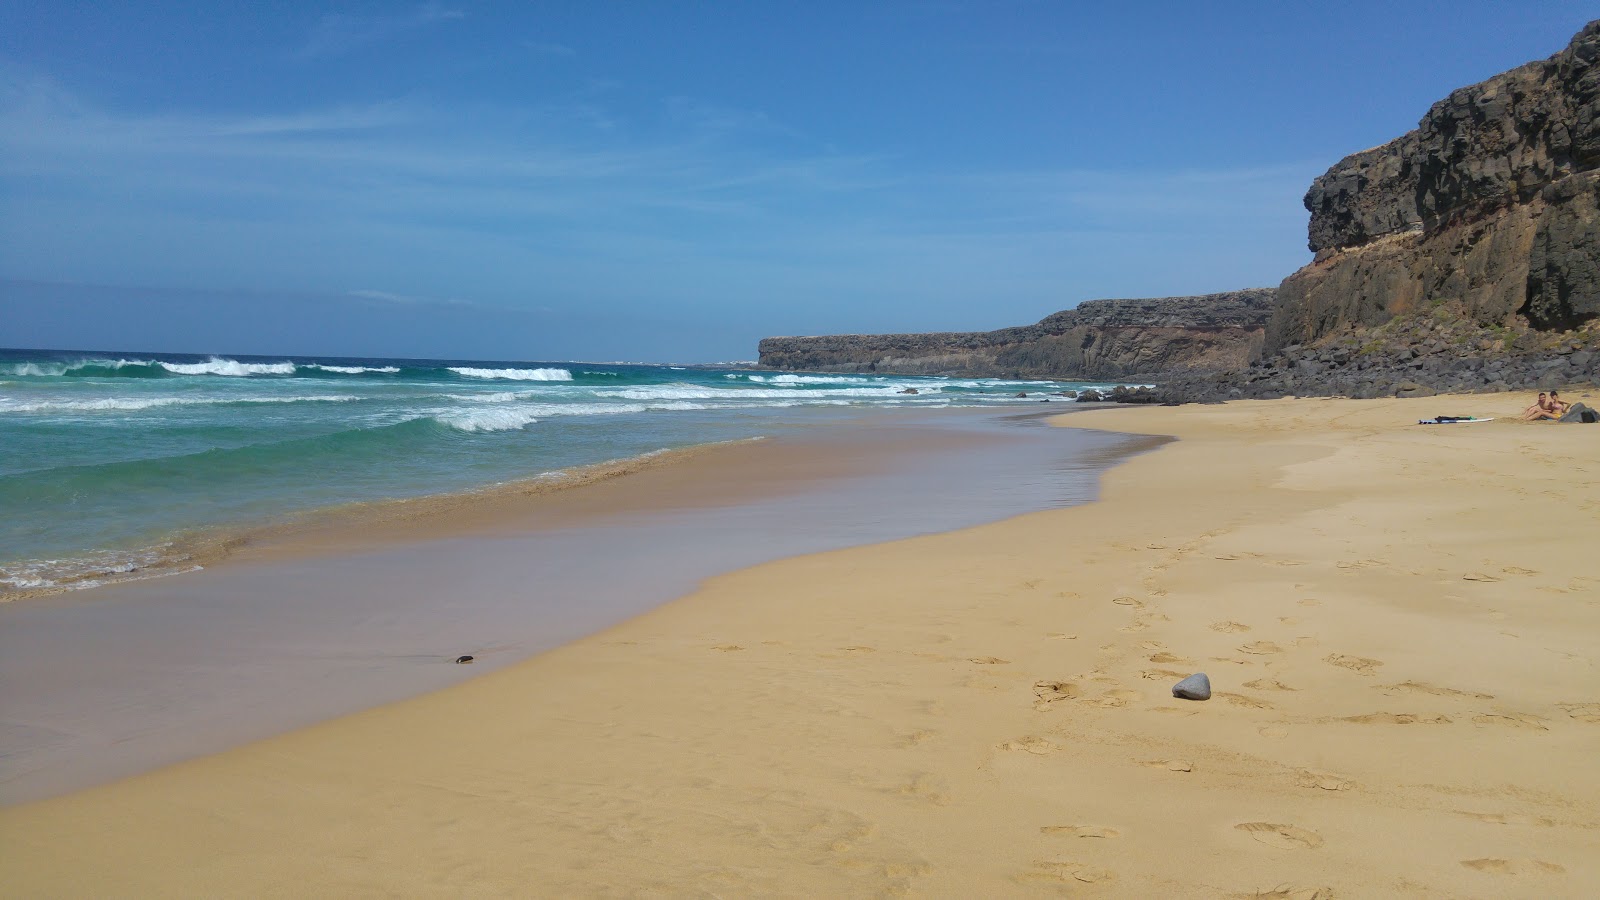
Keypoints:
(1401, 624)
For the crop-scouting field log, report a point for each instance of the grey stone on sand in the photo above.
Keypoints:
(1195, 687)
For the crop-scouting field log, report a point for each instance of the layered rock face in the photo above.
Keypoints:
(1099, 339)
(1492, 203)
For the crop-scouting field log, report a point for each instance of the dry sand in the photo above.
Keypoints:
(1402, 625)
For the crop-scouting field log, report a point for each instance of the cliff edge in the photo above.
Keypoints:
(1493, 202)
(1142, 339)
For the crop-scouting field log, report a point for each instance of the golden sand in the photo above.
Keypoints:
(1401, 624)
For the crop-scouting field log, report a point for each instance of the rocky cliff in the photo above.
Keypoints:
(1491, 204)
(1099, 340)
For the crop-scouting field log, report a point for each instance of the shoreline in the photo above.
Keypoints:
(362, 609)
(1398, 622)
(307, 532)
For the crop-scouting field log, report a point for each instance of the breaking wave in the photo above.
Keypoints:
(133, 404)
(514, 374)
(352, 370)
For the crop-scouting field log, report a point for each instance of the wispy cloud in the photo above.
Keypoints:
(337, 33)
(550, 49)
(416, 204)
(407, 299)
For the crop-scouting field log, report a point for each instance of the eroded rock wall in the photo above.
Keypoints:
(1491, 203)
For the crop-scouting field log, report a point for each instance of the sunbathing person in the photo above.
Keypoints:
(1541, 409)
(1557, 405)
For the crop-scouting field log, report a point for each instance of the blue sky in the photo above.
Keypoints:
(673, 181)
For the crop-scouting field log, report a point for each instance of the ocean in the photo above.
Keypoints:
(116, 466)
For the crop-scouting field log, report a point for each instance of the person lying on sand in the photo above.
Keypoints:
(1541, 409)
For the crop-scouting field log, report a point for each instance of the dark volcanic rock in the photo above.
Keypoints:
(1122, 339)
(1195, 687)
(1491, 203)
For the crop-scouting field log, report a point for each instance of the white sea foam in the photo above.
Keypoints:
(501, 418)
(133, 404)
(229, 367)
(811, 379)
(35, 370)
(697, 392)
(55, 370)
(514, 374)
(352, 370)
(493, 397)
(477, 420)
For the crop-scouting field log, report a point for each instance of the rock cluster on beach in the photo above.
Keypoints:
(1439, 351)
(1461, 256)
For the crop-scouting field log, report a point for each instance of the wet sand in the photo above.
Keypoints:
(1400, 622)
(373, 605)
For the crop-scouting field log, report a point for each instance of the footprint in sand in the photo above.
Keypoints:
(1310, 602)
(925, 787)
(1260, 648)
(1161, 674)
(1389, 718)
(1273, 731)
(859, 649)
(1082, 831)
(1508, 819)
(1152, 645)
(1169, 658)
(1326, 781)
(1229, 627)
(1268, 684)
(1242, 700)
(1171, 765)
(1513, 720)
(917, 738)
(727, 648)
(1290, 620)
(1479, 576)
(1118, 698)
(1361, 563)
(1284, 837)
(1287, 892)
(989, 661)
(1128, 601)
(1514, 866)
(1357, 664)
(1061, 636)
(1418, 687)
(1518, 570)
(1038, 746)
(1049, 692)
(1583, 712)
(1061, 871)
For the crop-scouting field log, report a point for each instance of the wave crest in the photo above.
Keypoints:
(480, 420)
(514, 374)
(351, 370)
(231, 368)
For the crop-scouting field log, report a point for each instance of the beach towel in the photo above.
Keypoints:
(1451, 420)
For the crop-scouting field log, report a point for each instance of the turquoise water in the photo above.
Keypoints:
(109, 460)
